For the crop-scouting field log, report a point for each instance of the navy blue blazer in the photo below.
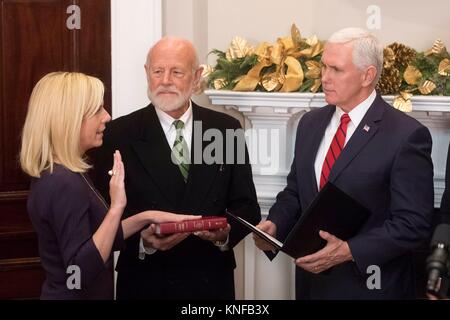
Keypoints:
(65, 212)
(389, 170)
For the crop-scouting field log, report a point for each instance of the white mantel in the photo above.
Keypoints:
(279, 113)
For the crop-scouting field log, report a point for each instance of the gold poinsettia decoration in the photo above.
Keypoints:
(412, 75)
(239, 48)
(444, 67)
(390, 81)
(403, 102)
(437, 49)
(283, 66)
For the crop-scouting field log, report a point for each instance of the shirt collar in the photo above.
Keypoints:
(358, 112)
(167, 121)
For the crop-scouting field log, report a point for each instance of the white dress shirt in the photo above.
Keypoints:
(355, 115)
(170, 132)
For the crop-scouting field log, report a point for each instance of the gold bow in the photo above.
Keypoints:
(280, 68)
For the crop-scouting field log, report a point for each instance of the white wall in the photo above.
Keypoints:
(134, 28)
(414, 23)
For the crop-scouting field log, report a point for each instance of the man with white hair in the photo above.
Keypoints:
(379, 156)
(164, 149)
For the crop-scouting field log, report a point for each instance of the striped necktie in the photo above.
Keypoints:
(180, 152)
(337, 144)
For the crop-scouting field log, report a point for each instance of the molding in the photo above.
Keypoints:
(11, 196)
(135, 26)
(282, 102)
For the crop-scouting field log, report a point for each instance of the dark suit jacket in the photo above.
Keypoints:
(193, 269)
(65, 213)
(388, 169)
(445, 203)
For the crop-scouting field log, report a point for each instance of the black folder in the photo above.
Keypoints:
(332, 210)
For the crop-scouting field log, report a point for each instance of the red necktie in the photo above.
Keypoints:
(335, 149)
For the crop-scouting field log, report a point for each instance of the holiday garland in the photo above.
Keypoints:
(293, 64)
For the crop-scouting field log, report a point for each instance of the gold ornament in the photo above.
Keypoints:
(403, 54)
(427, 87)
(403, 102)
(220, 83)
(390, 81)
(388, 57)
(316, 86)
(444, 67)
(263, 51)
(437, 49)
(239, 48)
(296, 36)
(207, 70)
(314, 69)
(272, 82)
(412, 75)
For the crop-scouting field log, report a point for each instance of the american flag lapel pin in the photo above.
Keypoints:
(366, 128)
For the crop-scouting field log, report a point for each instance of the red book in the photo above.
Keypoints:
(205, 223)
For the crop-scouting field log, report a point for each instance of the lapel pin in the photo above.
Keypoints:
(366, 128)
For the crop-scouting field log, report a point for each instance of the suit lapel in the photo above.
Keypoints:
(362, 135)
(201, 175)
(154, 153)
(316, 135)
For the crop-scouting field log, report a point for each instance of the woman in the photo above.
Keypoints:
(77, 231)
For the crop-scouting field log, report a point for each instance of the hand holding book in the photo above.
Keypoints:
(217, 236)
(271, 229)
(205, 223)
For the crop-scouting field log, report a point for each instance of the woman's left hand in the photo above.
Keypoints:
(117, 184)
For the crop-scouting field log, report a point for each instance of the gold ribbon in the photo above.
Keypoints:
(251, 79)
(294, 75)
(284, 54)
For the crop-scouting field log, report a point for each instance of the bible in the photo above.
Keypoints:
(332, 210)
(204, 223)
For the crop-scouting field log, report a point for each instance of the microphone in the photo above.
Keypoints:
(437, 261)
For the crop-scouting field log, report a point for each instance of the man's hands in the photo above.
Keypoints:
(161, 242)
(268, 227)
(335, 252)
(219, 235)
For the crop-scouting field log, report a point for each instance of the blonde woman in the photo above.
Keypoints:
(77, 230)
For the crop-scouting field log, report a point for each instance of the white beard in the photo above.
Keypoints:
(168, 104)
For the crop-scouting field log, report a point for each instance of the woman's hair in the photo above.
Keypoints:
(58, 104)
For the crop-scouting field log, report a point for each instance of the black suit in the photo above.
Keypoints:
(445, 202)
(386, 165)
(194, 268)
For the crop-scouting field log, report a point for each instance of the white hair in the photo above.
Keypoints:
(177, 41)
(367, 49)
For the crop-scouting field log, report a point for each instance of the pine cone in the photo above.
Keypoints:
(390, 81)
(403, 54)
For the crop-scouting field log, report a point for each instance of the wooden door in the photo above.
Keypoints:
(37, 37)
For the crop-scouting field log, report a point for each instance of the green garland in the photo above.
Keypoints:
(227, 71)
